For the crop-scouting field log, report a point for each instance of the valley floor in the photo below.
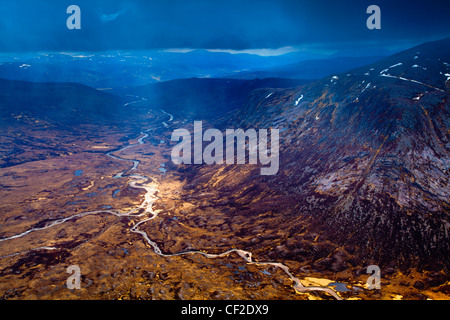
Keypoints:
(136, 233)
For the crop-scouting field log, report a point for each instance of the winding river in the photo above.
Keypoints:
(150, 185)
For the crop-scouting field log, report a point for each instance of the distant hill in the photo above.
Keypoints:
(203, 97)
(42, 120)
(59, 103)
(309, 69)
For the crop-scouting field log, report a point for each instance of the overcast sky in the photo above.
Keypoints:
(31, 25)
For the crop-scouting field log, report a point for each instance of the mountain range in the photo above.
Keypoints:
(364, 158)
(364, 154)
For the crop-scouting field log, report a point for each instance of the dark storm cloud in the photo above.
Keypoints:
(227, 24)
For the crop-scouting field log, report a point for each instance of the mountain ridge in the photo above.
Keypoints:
(309, 69)
(364, 154)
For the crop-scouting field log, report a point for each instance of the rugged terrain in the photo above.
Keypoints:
(363, 180)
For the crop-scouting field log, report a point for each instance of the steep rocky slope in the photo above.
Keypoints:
(364, 158)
